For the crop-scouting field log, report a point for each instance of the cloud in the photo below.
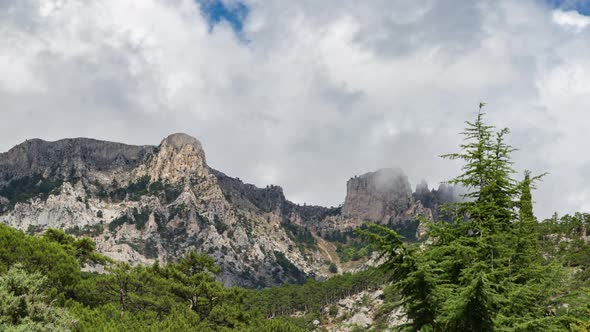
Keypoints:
(581, 6)
(305, 94)
(571, 20)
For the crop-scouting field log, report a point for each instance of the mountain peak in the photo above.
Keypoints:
(179, 140)
(70, 157)
(377, 196)
(180, 156)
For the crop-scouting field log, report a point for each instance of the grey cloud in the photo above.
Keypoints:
(456, 28)
(320, 92)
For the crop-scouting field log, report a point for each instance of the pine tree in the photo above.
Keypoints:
(526, 226)
(24, 305)
(483, 270)
(486, 174)
(472, 309)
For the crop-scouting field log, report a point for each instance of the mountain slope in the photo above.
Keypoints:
(154, 203)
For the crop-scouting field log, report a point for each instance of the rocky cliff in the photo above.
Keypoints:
(378, 196)
(81, 158)
(153, 203)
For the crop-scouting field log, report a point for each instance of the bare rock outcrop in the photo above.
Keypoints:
(142, 204)
(70, 158)
(362, 311)
(377, 196)
(146, 204)
(178, 157)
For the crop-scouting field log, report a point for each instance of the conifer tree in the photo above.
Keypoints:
(482, 271)
(526, 229)
(486, 174)
(25, 307)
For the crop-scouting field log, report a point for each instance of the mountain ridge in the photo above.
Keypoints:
(153, 203)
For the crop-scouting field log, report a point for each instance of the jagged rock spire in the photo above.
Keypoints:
(377, 196)
(179, 157)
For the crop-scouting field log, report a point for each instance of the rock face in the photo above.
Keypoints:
(145, 203)
(142, 204)
(436, 197)
(361, 312)
(378, 196)
(385, 197)
(69, 158)
(178, 157)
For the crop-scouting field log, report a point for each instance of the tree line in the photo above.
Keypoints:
(488, 265)
(492, 267)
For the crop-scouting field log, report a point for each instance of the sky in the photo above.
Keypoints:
(306, 94)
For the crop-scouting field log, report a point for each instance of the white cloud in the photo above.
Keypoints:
(571, 19)
(320, 92)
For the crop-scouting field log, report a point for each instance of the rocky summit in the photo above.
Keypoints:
(142, 204)
(378, 196)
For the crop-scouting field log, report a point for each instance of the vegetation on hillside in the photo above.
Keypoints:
(487, 269)
(489, 266)
(27, 187)
(140, 187)
(42, 289)
(43, 273)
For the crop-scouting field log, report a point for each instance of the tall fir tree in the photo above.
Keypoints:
(527, 233)
(479, 272)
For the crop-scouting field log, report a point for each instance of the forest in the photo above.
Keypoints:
(489, 266)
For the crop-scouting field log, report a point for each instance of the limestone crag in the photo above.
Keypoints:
(156, 205)
(142, 204)
(179, 157)
(70, 158)
(361, 312)
(377, 196)
(385, 197)
(65, 209)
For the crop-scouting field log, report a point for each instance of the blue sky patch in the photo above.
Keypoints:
(216, 11)
(582, 6)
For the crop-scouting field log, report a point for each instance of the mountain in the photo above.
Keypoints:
(142, 204)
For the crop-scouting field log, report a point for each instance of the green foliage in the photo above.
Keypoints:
(472, 309)
(484, 270)
(119, 221)
(562, 238)
(185, 293)
(349, 245)
(25, 188)
(141, 187)
(141, 218)
(25, 306)
(86, 230)
(354, 250)
(563, 241)
(313, 295)
(150, 248)
(179, 296)
(38, 254)
(219, 225)
(137, 217)
(333, 310)
(133, 190)
(276, 325)
(300, 235)
(352, 246)
(289, 268)
(332, 268)
(337, 236)
(488, 267)
(83, 249)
